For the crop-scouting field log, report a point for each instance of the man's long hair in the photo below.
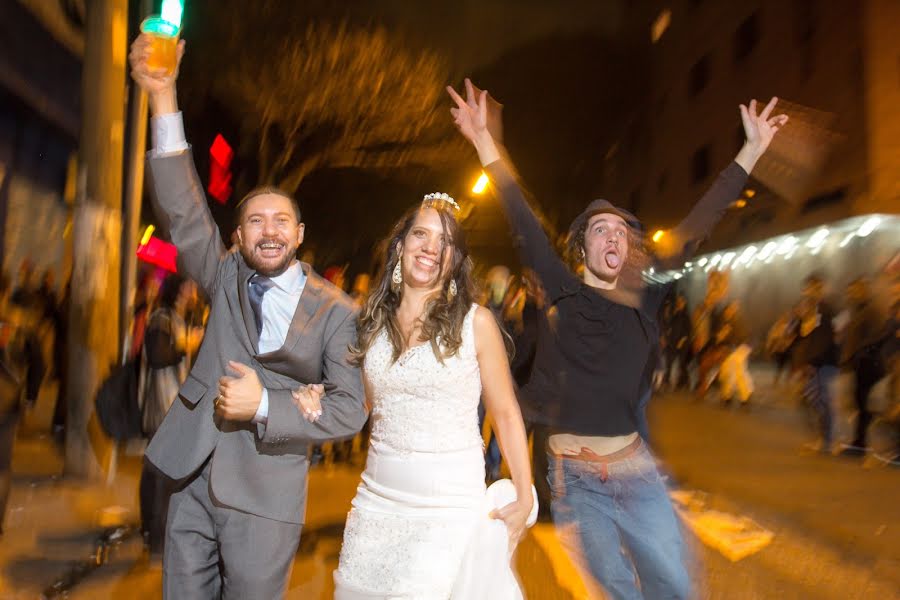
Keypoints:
(444, 315)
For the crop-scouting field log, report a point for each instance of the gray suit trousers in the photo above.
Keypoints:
(213, 551)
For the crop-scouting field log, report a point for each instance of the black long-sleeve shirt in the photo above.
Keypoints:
(526, 342)
(592, 352)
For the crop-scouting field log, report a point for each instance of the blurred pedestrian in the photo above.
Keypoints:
(780, 341)
(734, 374)
(360, 290)
(862, 354)
(21, 372)
(61, 363)
(707, 325)
(678, 344)
(147, 294)
(496, 287)
(25, 293)
(889, 420)
(359, 294)
(817, 357)
(169, 346)
(336, 275)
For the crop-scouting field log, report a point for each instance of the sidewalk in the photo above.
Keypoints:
(53, 524)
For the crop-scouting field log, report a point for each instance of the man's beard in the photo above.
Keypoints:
(266, 268)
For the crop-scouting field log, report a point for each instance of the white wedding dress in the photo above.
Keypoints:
(419, 526)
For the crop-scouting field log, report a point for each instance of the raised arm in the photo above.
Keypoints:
(471, 118)
(682, 242)
(176, 191)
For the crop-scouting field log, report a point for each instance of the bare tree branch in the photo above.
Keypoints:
(338, 96)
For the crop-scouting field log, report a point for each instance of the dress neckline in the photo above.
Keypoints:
(406, 353)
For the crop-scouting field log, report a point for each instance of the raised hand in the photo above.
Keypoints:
(759, 130)
(470, 115)
(158, 83)
(477, 118)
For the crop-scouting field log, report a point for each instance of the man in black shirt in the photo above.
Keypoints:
(591, 364)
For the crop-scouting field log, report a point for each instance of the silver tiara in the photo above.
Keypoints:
(440, 198)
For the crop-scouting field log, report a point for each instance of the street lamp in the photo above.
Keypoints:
(481, 184)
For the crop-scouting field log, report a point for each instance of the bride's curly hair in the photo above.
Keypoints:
(444, 314)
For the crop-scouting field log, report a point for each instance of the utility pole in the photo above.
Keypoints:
(97, 224)
(134, 186)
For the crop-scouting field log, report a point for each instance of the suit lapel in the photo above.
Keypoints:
(306, 308)
(243, 281)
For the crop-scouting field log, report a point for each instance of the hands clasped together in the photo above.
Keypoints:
(241, 393)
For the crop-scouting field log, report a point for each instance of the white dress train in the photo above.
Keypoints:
(419, 528)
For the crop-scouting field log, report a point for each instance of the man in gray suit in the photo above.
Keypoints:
(235, 439)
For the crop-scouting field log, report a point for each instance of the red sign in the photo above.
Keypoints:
(159, 253)
(220, 156)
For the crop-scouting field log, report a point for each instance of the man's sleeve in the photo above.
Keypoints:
(343, 406)
(529, 237)
(180, 205)
(682, 242)
(167, 132)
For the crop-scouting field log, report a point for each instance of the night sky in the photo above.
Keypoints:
(565, 72)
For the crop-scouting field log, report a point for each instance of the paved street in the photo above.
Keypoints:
(834, 522)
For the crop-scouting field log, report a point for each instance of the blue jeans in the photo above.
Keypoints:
(817, 393)
(615, 519)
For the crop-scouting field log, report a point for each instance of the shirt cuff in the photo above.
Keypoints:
(168, 134)
(262, 413)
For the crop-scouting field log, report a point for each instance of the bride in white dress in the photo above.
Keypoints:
(422, 525)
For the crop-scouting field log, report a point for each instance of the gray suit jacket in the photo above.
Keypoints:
(259, 470)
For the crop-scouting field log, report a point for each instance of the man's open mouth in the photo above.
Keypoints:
(270, 249)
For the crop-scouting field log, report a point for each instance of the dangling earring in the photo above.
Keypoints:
(397, 275)
(451, 289)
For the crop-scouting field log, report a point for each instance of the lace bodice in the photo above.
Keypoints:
(420, 404)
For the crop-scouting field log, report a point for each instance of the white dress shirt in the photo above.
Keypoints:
(280, 302)
(278, 307)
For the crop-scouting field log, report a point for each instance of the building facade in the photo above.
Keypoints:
(835, 67)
